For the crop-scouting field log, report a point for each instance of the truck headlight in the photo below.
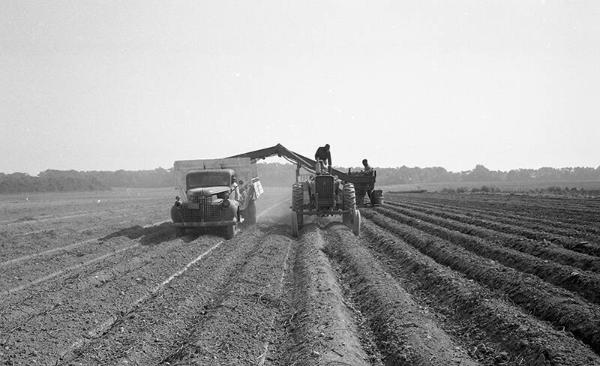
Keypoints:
(225, 203)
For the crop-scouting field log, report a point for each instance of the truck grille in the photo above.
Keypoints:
(207, 211)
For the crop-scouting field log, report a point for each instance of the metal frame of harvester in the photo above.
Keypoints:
(332, 193)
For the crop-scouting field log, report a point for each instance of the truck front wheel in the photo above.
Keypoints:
(229, 231)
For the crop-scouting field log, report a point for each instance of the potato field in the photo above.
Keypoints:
(433, 279)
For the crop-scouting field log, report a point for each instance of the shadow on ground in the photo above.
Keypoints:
(151, 235)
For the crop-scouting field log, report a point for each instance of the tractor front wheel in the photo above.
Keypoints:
(356, 220)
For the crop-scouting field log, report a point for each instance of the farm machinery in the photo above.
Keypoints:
(221, 193)
(322, 193)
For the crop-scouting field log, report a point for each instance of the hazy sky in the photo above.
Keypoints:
(108, 85)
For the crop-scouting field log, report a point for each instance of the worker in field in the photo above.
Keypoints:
(366, 168)
(368, 171)
(324, 155)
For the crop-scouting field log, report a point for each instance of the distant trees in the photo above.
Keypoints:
(277, 174)
(482, 174)
(49, 181)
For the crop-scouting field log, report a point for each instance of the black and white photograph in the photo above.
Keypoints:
(300, 183)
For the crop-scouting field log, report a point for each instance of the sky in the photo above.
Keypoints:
(107, 85)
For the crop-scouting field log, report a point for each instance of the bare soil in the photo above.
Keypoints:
(101, 279)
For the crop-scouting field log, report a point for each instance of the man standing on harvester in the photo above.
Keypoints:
(324, 155)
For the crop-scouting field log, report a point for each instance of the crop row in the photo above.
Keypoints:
(587, 284)
(531, 293)
(569, 230)
(562, 250)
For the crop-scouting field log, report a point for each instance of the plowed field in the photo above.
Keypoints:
(101, 279)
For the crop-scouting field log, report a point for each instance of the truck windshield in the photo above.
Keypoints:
(208, 179)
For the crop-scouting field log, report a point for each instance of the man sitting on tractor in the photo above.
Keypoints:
(324, 155)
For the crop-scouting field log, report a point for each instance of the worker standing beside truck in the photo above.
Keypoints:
(324, 155)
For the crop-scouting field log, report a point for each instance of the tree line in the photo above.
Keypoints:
(277, 174)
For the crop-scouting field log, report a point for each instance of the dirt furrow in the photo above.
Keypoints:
(69, 233)
(405, 333)
(46, 319)
(494, 330)
(540, 298)
(161, 328)
(517, 205)
(239, 329)
(321, 328)
(552, 245)
(584, 232)
(585, 283)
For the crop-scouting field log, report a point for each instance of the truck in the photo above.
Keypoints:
(215, 193)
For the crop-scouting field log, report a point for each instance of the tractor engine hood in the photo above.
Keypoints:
(207, 191)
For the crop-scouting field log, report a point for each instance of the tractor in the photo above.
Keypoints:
(324, 194)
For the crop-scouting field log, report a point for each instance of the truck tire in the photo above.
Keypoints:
(229, 231)
(250, 213)
(176, 214)
(298, 203)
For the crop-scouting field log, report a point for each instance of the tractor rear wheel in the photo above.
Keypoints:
(349, 197)
(298, 202)
(294, 225)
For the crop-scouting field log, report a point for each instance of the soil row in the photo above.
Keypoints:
(518, 205)
(14, 244)
(494, 331)
(585, 283)
(50, 316)
(535, 225)
(322, 329)
(212, 314)
(507, 235)
(405, 334)
(540, 298)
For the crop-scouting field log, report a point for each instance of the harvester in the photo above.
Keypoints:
(220, 193)
(322, 193)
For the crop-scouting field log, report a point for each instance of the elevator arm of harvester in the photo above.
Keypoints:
(300, 160)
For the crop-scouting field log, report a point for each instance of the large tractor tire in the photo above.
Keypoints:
(250, 213)
(295, 228)
(349, 200)
(356, 222)
(298, 203)
(349, 196)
